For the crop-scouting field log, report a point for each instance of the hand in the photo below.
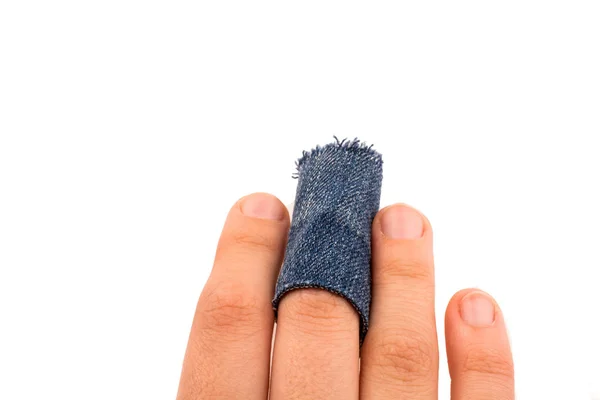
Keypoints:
(316, 346)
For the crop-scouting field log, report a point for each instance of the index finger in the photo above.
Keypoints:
(228, 353)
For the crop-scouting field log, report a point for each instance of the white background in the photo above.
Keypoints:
(128, 128)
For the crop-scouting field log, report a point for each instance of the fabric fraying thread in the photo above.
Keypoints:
(348, 144)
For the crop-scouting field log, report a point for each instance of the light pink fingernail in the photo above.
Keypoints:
(478, 309)
(402, 222)
(262, 205)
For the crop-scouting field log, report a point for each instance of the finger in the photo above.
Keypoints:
(316, 347)
(479, 355)
(228, 353)
(400, 354)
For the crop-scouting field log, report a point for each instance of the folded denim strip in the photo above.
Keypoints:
(329, 245)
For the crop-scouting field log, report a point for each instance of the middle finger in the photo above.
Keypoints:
(316, 347)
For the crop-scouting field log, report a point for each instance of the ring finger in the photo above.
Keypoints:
(400, 354)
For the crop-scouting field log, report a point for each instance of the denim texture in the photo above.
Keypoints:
(329, 245)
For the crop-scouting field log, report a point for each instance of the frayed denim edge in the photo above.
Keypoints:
(346, 144)
(364, 326)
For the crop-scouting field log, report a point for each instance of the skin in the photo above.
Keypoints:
(234, 351)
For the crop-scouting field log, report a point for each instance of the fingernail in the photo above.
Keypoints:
(477, 309)
(262, 205)
(401, 222)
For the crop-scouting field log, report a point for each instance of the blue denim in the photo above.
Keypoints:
(329, 245)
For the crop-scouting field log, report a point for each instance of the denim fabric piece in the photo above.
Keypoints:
(329, 245)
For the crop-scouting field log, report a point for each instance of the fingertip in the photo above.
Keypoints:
(262, 205)
(258, 221)
(473, 307)
(401, 221)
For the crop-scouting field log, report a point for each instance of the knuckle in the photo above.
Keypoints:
(489, 362)
(406, 268)
(253, 242)
(231, 309)
(407, 356)
(316, 308)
